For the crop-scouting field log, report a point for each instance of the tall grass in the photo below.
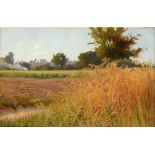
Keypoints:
(118, 97)
(105, 97)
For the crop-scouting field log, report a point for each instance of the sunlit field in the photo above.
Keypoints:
(41, 74)
(101, 97)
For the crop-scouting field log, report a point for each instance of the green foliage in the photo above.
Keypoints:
(5, 103)
(25, 64)
(32, 102)
(46, 66)
(39, 74)
(59, 59)
(71, 67)
(9, 58)
(124, 63)
(87, 58)
(112, 43)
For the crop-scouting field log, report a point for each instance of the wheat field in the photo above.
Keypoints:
(101, 97)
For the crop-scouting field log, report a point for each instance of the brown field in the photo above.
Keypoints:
(103, 97)
(30, 88)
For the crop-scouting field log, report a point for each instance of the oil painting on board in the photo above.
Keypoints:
(77, 77)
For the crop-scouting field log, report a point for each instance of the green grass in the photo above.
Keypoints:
(25, 102)
(5, 104)
(71, 114)
(41, 74)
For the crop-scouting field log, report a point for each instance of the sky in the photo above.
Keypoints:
(42, 43)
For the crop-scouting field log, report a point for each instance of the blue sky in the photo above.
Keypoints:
(42, 43)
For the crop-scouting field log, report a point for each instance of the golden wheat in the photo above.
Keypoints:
(126, 96)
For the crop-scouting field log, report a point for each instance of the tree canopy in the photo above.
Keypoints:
(9, 58)
(59, 59)
(87, 58)
(113, 43)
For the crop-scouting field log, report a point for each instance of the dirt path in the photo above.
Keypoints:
(30, 88)
(20, 113)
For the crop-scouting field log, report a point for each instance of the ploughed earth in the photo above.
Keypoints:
(12, 88)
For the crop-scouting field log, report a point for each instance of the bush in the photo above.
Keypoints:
(89, 57)
(25, 64)
(71, 67)
(46, 66)
(124, 63)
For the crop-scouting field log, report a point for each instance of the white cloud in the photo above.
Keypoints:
(36, 46)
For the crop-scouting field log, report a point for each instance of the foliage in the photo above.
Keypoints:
(9, 58)
(125, 63)
(46, 66)
(87, 58)
(59, 59)
(3, 67)
(25, 64)
(112, 43)
(40, 74)
(71, 67)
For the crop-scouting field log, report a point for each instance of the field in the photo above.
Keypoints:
(41, 74)
(101, 97)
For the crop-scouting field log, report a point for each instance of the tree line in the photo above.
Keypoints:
(110, 44)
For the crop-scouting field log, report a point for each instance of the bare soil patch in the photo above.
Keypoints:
(30, 88)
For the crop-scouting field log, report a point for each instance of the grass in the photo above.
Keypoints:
(41, 74)
(105, 97)
(25, 102)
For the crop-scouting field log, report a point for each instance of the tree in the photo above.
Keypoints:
(112, 43)
(87, 58)
(9, 58)
(25, 64)
(59, 59)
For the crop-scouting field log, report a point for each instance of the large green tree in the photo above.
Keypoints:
(59, 59)
(113, 43)
(86, 58)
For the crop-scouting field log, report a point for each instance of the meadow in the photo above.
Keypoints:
(40, 74)
(101, 97)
